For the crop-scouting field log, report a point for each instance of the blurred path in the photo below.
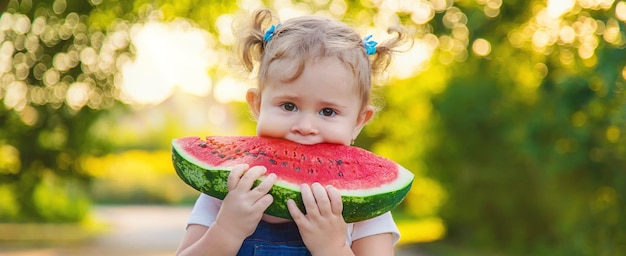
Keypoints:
(133, 230)
(141, 230)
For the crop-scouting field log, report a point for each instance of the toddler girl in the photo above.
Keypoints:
(314, 83)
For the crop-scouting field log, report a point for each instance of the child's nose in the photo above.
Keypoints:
(305, 125)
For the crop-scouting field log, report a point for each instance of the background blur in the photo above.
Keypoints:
(511, 114)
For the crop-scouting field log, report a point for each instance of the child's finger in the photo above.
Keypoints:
(321, 198)
(335, 199)
(263, 202)
(248, 178)
(310, 205)
(234, 175)
(266, 185)
(297, 215)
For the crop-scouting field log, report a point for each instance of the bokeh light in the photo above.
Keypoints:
(481, 47)
(620, 10)
(613, 133)
(168, 55)
(556, 8)
(231, 89)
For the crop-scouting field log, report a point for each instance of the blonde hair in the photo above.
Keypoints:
(309, 37)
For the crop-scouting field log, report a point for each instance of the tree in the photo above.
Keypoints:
(522, 125)
(58, 77)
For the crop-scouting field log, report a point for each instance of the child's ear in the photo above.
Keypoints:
(254, 101)
(364, 117)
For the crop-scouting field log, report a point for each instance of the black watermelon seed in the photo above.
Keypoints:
(272, 161)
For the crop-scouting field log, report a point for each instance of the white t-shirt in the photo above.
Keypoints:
(206, 208)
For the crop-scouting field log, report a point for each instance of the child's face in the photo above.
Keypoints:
(321, 106)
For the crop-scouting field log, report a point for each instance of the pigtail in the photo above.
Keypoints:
(251, 44)
(385, 50)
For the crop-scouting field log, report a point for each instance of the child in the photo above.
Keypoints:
(314, 82)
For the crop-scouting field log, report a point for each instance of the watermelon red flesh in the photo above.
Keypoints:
(205, 165)
(328, 164)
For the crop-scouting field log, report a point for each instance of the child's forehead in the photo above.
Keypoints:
(292, 68)
(312, 72)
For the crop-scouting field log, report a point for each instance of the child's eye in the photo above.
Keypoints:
(327, 112)
(289, 106)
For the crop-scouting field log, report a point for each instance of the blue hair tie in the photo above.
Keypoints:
(370, 45)
(269, 33)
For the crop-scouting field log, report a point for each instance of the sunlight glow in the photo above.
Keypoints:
(223, 24)
(583, 34)
(491, 12)
(338, 7)
(620, 11)
(287, 10)
(442, 5)
(556, 8)
(481, 47)
(423, 12)
(595, 4)
(230, 89)
(78, 95)
(15, 95)
(567, 34)
(587, 48)
(408, 64)
(168, 55)
(216, 114)
(6, 56)
(51, 77)
(249, 4)
(612, 33)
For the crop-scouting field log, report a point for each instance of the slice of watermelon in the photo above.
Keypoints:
(370, 185)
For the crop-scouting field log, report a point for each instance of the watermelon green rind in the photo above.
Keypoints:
(358, 205)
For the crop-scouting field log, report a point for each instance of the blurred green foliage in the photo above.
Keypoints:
(147, 179)
(515, 125)
(529, 146)
(43, 135)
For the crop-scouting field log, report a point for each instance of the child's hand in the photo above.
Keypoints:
(323, 228)
(243, 206)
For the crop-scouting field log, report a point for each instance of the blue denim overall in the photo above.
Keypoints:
(282, 239)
